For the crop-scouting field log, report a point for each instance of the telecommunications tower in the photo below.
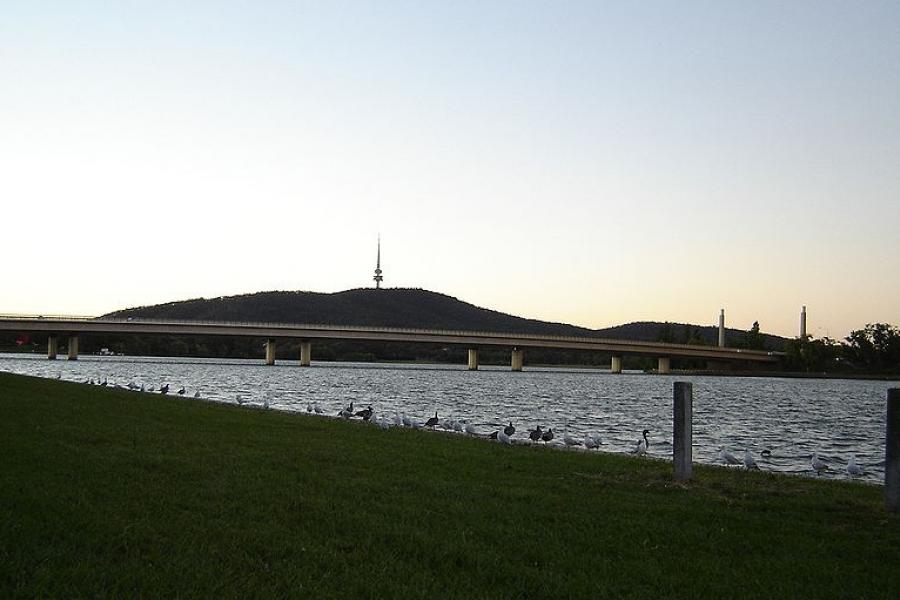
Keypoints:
(378, 276)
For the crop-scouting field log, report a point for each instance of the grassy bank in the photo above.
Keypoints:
(112, 493)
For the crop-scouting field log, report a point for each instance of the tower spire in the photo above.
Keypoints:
(378, 276)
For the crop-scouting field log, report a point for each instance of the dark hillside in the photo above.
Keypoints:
(411, 308)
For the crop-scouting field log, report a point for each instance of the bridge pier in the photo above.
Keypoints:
(664, 365)
(51, 347)
(518, 359)
(305, 353)
(73, 347)
(473, 359)
(270, 351)
(615, 365)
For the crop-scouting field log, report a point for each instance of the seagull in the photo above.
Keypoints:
(503, 437)
(143, 389)
(509, 429)
(406, 420)
(568, 440)
(266, 403)
(470, 429)
(308, 407)
(397, 420)
(384, 423)
(727, 457)
(447, 424)
(317, 409)
(459, 426)
(535, 435)
(749, 461)
(432, 421)
(547, 435)
(817, 463)
(591, 442)
(854, 469)
(643, 444)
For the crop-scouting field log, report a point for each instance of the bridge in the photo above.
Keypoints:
(71, 327)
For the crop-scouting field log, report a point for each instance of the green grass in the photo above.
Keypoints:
(112, 493)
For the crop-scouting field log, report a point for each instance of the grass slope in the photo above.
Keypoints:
(112, 493)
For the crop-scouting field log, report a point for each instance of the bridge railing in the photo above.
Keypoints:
(364, 329)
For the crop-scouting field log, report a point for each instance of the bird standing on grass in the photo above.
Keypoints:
(749, 461)
(432, 421)
(547, 435)
(727, 457)
(509, 429)
(818, 465)
(535, 434)
(854, 469)
(642, 445)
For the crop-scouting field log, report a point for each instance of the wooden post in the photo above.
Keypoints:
(682, 432)
(892, 452)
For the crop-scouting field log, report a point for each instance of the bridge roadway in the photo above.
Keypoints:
(71, 327)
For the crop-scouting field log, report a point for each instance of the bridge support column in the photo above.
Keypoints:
(73, 347)
(518, 359)
(616, 364)
(51, 347)
(270, 351)
(305, 353)
(664, 365)
(473, 359)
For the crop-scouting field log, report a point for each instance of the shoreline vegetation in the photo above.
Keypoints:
(110, 493)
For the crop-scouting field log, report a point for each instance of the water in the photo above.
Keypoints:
(791, 418)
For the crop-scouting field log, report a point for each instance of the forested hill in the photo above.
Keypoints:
(408, 308)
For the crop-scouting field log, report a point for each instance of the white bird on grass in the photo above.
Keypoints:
(749, 461)
(470, 429)
(317, 409)
(854, 469)
(727, 457)
(591, 442)
(568, 440)
(503, 438)
(818, 465)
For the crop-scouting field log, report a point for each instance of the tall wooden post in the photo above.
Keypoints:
(892, 452)
(682, 431)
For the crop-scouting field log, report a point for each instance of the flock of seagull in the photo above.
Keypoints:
(503, 435)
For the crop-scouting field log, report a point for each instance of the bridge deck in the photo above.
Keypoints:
(75, 325)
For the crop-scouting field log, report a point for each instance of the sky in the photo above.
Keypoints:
(594, 163)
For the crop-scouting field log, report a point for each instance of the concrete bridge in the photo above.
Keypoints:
(71, 327)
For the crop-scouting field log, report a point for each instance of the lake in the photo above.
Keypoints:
(781, 421)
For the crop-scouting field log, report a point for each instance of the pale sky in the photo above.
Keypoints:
(588, 162)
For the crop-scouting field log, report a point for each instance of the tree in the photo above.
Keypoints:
(877, 347)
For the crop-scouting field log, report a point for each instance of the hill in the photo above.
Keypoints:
(409, 308)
